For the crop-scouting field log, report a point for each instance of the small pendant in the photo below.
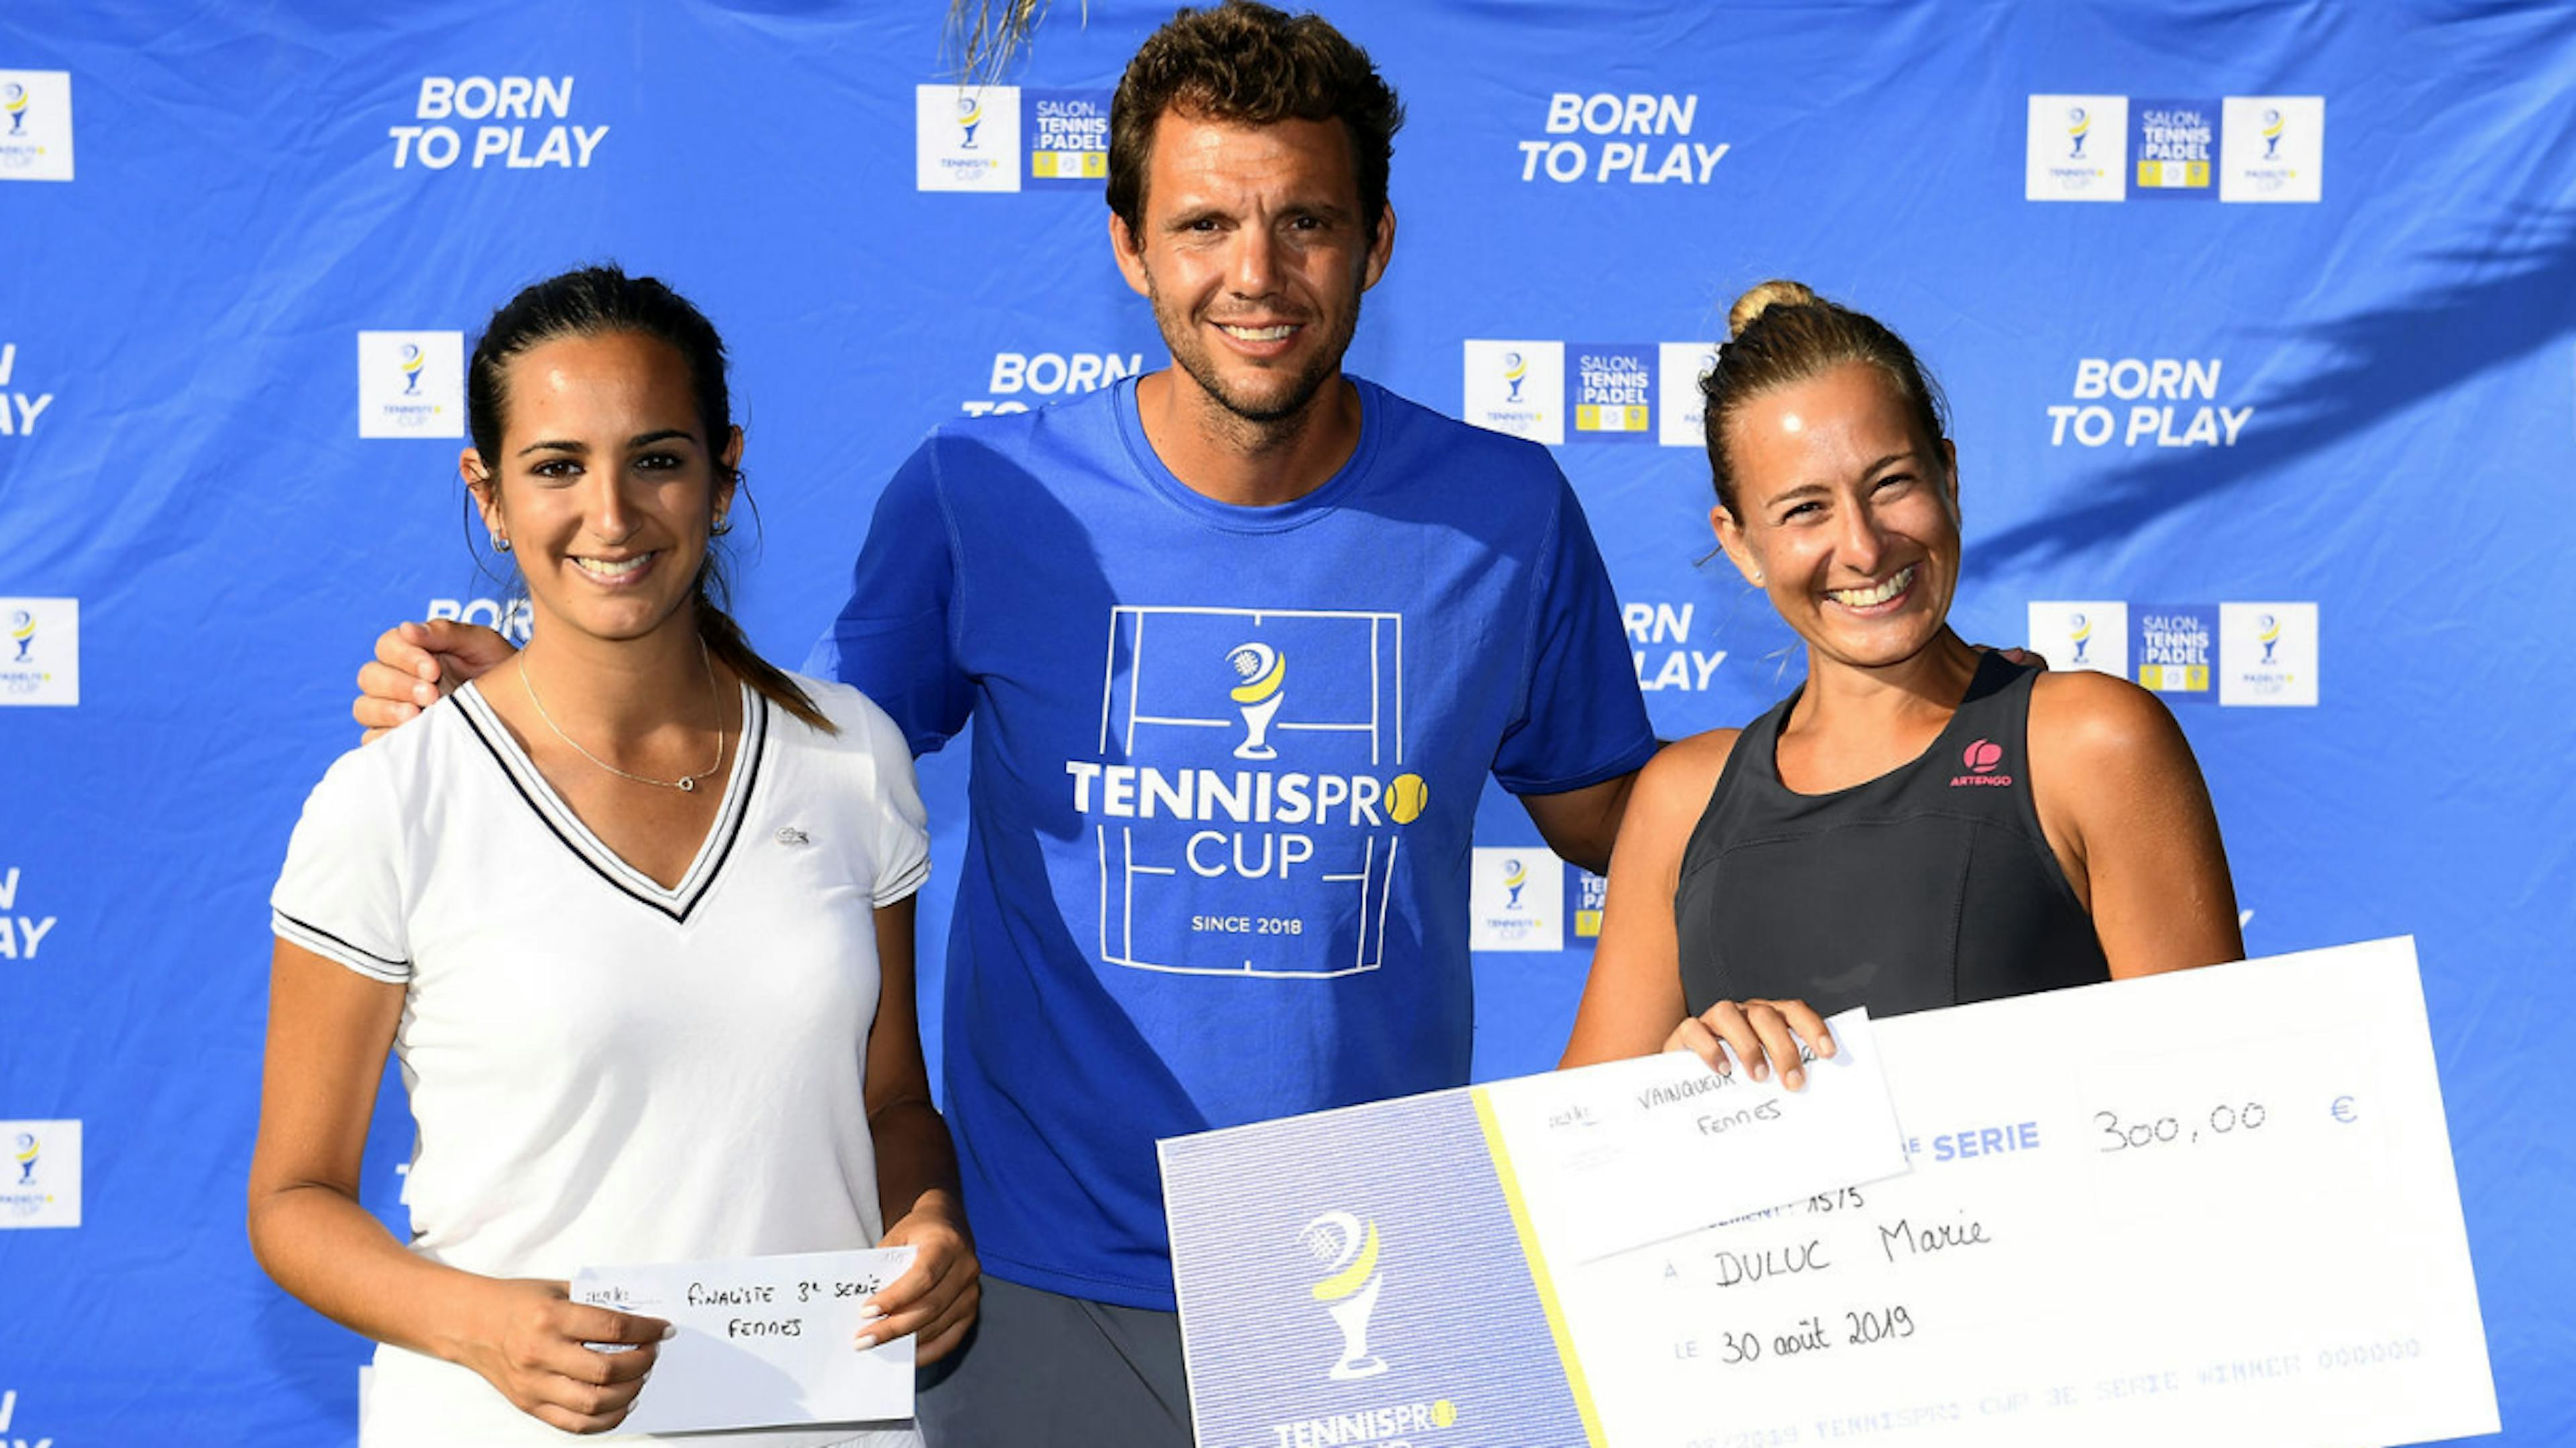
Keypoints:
(688, 785)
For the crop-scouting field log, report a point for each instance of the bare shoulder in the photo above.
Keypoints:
(2101, 723)
(1673, 789)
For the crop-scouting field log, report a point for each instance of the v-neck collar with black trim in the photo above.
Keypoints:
(675, 901)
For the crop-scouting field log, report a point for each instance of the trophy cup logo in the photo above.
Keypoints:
(413, 359)
(1515, 879)
(2272, 123)
(2083, 635)
(1348, 1250)
(13, 99)
(22, 627)
(1262, 671)
(1515, 370)
(28, 1150)
(2267, 632)
(2078, 125)
(970, 114)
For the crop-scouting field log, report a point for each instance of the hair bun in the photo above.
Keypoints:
(1773, 293)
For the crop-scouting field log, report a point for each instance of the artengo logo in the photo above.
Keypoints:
(496, 99)
(1020, 375)
(1646, 141)
(1982, 759)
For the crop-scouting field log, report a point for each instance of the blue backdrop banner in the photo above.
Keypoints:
(2259, 322)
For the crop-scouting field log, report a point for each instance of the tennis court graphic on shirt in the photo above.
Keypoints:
(1250, 795)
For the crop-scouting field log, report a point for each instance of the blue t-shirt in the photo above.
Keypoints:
(1226, 766)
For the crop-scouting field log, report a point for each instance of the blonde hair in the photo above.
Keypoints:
(1780, 332)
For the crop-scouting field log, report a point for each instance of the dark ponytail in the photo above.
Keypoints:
(601, 299)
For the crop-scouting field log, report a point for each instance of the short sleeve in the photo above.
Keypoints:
(1582, 719)
(341, 893)
(894, 638)
(899, 835)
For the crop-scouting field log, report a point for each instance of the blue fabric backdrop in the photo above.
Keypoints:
(2260, 323)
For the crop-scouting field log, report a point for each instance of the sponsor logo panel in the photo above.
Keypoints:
(2274, 149)
(2174, 648)
(2085, 634)
(966, 138)
(1591, 894)
(1516, 899)
(40, 651)
(40, 1174)
(35, 125)
(411, 384)
(2267, 654)
(503, 122)
(2236, 149)
(1066, 138)
(2175, 144)
(1614, 388)
(1517, 387)
(2077, 149)
(1681, 411)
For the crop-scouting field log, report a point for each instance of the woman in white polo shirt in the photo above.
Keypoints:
(635, 915)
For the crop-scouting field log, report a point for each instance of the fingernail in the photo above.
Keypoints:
(864, 1341)
(1825, 1047)
(1760, 1071)
(670, 1330)
(871, 1313)
(1794, 1079)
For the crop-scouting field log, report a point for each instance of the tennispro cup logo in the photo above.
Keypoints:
(40, 1174)
(1263, 673)
(1348, 1249)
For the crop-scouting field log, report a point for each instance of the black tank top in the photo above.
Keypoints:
(1931, 885)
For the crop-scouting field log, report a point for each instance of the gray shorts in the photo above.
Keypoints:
(1042, 1370)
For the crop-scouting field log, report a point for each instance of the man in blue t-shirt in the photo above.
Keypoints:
(1241, 640)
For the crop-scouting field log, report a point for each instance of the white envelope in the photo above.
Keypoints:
(763, 1341)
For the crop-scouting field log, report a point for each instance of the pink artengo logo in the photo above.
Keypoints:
(1982, 758)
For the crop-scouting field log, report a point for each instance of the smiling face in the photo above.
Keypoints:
(604, 485)
(1845, 514)
(1254, 252)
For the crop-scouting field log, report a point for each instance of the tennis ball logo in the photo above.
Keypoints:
(1406, 794)
(1982, 756)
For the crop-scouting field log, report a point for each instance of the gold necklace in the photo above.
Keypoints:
(685, 784)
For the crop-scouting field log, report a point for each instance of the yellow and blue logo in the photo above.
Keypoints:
(13, 99)
(1515, 371)
(2273, 125)
(413, 359)
(2267, 632)
(1515, 879)
(1348, 1248)
(970, 114)
(29, 1148)
(1614, 391)
(2079, 124)
(22, 629)
(2083, 635)
(1264, 672)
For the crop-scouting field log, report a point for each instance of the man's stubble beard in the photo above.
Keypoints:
(1252, 427)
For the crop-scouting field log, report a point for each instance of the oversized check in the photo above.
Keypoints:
(2215, 1207)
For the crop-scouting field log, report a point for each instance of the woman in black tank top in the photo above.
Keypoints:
(1920, 824)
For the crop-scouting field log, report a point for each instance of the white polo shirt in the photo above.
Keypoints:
(603, 1070)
